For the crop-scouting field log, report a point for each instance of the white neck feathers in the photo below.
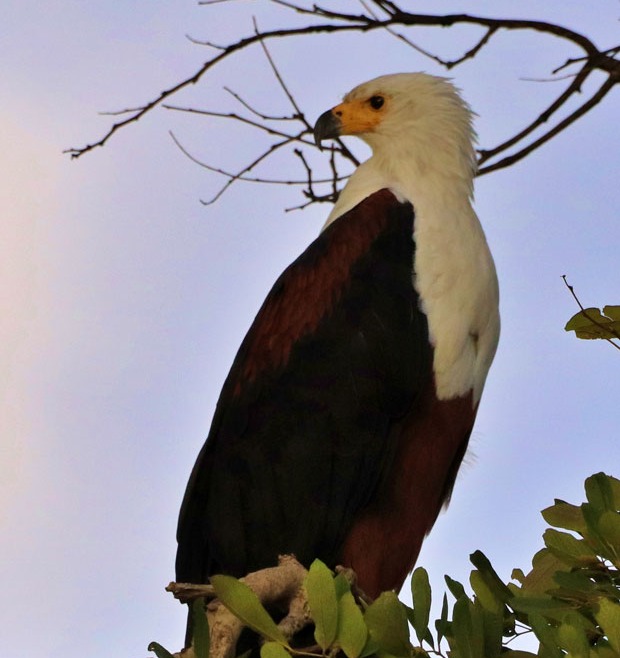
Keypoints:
(429, 161)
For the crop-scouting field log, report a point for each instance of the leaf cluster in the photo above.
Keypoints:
(568, 604)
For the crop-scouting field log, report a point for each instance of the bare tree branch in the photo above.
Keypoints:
(579, 112)
(299, 137)
(192, 80)
(240, 175)
(309, 193)
(274, 68)
(448, 64)
(252, 109)
(390, 17)
(288, 136)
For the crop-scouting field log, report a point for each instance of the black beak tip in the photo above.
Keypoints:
(327, 125)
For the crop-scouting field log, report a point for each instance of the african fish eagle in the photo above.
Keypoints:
(346, 414)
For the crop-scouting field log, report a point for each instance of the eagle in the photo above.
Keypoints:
(347, 411)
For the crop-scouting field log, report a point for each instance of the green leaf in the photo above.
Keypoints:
(568, 548)
(572, 637)
(457, 590)
(565, 516)
(546, 635)
(612, 312)
(477, 617)
(386, 620)
(200, 628)
(342, 585)
(608, 617)
(544, 605)
(591, 515)
(541, 578)
(609, 527)
(600, 493)
(323, 603)
(614, 483)
(603, 651)
(494, 583)
(577, 580)
(370, 648)
(159, 651)
(245, 605)
(442, 624)
(493, 630)
(590, 324)
(484, 594)
(466, 637)
(421, 593)
(273, 650)
(352, 632)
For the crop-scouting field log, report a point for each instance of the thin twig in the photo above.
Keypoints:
(212, 2)
(472, 52)
(316, 10)
(309, 192)
(201, 42)
(260, 115)
(116, 113)
(232, 177)
(389, 8)
(404, 39)
(565, 123)
(543, 117)
(76, 152)
(592, 320)
(555, 78)
(448, 64)
(237, 117)
(240, 175)
(281, 82)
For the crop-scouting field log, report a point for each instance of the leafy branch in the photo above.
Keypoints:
(590, 323)
(568, 603)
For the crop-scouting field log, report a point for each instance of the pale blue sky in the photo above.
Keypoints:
(124, 299)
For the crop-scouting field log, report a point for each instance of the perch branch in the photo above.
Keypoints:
(281, 585)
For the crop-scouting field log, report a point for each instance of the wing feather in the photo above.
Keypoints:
(300, 440)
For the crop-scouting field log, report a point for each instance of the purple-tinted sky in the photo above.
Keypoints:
(124, 299)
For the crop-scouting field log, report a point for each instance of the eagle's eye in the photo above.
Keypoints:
(376, 102)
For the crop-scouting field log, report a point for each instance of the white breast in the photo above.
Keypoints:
(457, 283)
(454, 275)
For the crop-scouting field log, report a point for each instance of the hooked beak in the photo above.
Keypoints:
(327, 125)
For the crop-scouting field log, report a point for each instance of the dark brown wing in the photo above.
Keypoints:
(301, 436)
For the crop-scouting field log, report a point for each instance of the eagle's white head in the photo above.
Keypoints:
(414, 120)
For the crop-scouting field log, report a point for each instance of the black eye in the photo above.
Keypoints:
(376, 102)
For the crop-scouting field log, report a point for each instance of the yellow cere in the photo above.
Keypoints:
(358, 116)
